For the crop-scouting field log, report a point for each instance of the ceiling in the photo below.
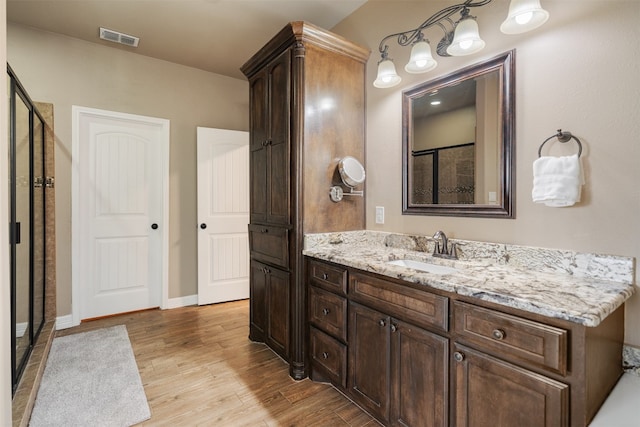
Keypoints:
(213, 35)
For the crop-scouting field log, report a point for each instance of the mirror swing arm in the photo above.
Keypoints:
(352, 174)
(504, 65)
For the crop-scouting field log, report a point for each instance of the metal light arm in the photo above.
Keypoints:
(406, 38)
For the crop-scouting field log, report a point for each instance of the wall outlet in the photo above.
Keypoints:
(379, 214)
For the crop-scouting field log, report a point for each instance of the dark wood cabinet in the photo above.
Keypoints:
(270, 311)
(297, 139)
(421, 357)
(270, 175)
(490, 391)
(419, 376)
(398, 371)
(369, 379)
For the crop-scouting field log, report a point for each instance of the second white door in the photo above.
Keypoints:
(223, 215)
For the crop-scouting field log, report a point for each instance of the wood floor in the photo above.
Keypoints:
(199, 369)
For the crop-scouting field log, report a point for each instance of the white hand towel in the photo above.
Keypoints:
(557, 181)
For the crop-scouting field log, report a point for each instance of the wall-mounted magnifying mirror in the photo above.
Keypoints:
(458, 142)
(352, 174)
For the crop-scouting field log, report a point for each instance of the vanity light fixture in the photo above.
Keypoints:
(460, 38)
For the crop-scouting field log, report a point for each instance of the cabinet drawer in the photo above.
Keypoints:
(327, 276)
(511, 337)
(328, 312)
(269, 244)
(328, 357)
(421, 308)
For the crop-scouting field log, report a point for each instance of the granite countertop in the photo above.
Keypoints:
(581, 288)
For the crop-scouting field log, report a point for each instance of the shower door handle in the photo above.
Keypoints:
(14, 233)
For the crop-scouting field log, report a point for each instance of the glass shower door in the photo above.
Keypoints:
(21, 232)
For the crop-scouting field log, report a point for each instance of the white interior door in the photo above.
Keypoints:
(223, 215)
(120, 212)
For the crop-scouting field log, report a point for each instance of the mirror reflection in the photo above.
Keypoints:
(458, 142)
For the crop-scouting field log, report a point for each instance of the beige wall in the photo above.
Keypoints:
(5, 296)
(66, 71)
(579, 72)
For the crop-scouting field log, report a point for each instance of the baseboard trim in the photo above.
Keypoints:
(182, 301)
(64, 322)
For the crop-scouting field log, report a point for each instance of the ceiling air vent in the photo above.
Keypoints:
(117, 37)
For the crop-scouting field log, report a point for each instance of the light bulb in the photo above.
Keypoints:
(466, 38)
(524, 15)
(466, 44)
(524, 18)
(421, 60)
(387, 76)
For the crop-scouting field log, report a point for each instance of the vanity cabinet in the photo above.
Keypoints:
(327, 313)
(490, 391)
(397, 371)
(307, 111)
(422, 357)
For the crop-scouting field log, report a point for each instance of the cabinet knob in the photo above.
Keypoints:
(326, 311)
(154, 226)
(458, 356)
(498, 334)
(325, 355)
(265, 270)
(381, 322)
(394, 327)
(325, 276)
(265, 230)
(203, 225)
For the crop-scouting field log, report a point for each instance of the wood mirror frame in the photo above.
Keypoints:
(504, 66)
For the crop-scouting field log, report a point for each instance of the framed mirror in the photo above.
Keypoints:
(458, 142)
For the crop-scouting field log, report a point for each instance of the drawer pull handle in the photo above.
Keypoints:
(498, 334)
(325, 276)
(394, 327)
(265, 230)
(381, 322)
(265, 270)
(458, 356)
(326, 311)
(325, 355)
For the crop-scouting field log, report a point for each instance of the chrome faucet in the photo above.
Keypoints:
(446, 250)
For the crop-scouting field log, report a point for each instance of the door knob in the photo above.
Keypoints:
(154, 226)
(203, 225)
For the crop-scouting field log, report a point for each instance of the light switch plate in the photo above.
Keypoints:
(379, 214)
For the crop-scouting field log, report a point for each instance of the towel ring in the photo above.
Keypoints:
(562, 137)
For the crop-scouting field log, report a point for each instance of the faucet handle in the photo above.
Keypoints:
(453, 251)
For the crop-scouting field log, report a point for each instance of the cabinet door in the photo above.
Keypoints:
(369, 359)
(278, 179)
(419, 377)
(491, 392)
(277, 333)
(258, 98)
(257, 301)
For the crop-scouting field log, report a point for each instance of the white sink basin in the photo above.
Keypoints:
(424, 266)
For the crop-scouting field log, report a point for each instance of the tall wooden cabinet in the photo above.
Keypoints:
(307, 112)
